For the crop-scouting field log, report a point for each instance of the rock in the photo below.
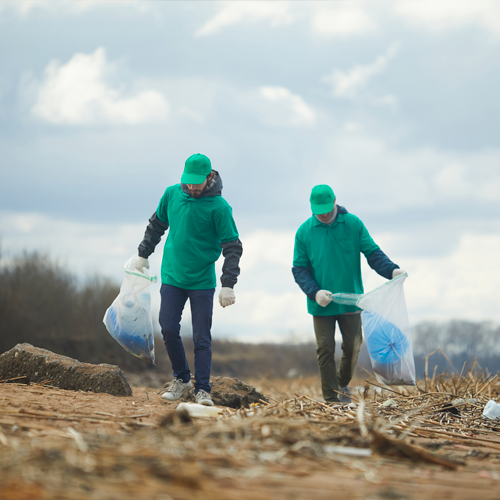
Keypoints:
(39, 365)
(230, 392)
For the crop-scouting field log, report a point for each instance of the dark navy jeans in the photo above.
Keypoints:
(173, 300)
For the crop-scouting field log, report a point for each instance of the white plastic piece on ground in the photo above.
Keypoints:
(349, 451)
(390, 402)
(196, 410)
(128, 319)
(387, 330)
(491, 410)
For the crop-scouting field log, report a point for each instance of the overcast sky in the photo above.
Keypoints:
(393, 103)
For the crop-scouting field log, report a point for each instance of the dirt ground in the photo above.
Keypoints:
(57, 444)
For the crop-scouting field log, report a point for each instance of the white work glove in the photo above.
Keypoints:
(226, 296)
(397, 272)
(322, 298)
(141, 263)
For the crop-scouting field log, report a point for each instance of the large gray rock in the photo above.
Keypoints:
(230, 392)
(39, 365)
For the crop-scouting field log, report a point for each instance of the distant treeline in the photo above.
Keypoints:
(45, 305)
(455, 343)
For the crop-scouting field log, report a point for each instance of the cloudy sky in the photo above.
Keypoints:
(394, 103)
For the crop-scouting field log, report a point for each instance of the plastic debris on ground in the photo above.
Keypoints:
(491, 410)
(196, 410)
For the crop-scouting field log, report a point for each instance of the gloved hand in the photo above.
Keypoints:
(141, 263)
(322, 298)
(397, 272)
(226, 296)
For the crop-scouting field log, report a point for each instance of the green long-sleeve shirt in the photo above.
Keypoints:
(333, 256)
(198, 226)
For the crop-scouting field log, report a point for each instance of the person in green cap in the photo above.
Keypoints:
(326, 260)
(201, 226)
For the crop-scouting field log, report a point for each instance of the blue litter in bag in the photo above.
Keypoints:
(128, 319)
(386, 330)
(387, 342)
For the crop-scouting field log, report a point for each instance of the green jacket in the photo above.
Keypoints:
(332, 256)
(197, 229)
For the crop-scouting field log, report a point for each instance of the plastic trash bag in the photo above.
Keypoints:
(387, 331)
(128, 319)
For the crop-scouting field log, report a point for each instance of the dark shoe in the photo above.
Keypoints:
(345, 396)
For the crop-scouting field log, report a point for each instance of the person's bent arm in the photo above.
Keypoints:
(377, 259)
(305, 281)
(154, 231)
(381, 264)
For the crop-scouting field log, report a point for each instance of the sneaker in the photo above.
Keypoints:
(345, 397)
(203, 398)
(176, 389)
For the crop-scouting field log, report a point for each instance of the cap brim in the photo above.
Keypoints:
(193, 178)
(325, 208)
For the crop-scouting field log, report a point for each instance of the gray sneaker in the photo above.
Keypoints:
(203, 398)
(345, 397)
(176, 389)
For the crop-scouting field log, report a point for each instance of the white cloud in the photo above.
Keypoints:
(339, 20)
(231, 13)
(286, 108)
(450, 14)
(349, 83)
(461, 285)
(422, 177)
(269, 304)
(77, 93)
(343, 20)
(26, 7)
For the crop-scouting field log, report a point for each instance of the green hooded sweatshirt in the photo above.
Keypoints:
(197, 227)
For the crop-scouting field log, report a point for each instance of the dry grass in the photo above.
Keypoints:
(267, 451)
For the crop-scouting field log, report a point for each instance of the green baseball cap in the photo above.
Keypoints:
(322, 199)
(196, 169)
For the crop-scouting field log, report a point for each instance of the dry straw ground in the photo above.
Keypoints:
(428, 441)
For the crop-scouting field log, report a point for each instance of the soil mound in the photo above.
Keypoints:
(38, 365)
(230, 392)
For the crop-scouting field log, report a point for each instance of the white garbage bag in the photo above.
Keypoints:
(387, 331)
(128, 319)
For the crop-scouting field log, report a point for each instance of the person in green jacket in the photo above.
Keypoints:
(201, 226)
(326, 260)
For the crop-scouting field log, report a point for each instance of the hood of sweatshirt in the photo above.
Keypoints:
(214, 188)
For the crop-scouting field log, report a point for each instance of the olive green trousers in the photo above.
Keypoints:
(352, 340)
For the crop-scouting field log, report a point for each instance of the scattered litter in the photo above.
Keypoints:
(294, 431)
(450, 408)
(461, 401)
(491, 410)
(196, 410)
(349, 451)
(390, 402)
